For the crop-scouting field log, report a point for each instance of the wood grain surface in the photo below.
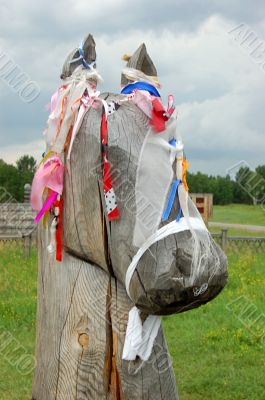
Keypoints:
(81, 323)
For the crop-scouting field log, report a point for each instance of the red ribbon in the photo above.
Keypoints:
(59, 230)
(158, 116)
(113, 212)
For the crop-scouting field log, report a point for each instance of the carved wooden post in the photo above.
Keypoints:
(224, 240)
(27, 188)
(27, 241)
(82, 302)
(83, 307)
(82, 318)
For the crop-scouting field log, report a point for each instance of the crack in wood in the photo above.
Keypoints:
(112, 353)
(64, 324)
(77, 372)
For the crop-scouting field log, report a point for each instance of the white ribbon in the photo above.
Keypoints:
(71, 92)
(140, 337)
(136, 75)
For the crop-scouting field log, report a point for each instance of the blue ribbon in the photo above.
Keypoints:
(172, 194)
(128, 89)
(82, 58)
(171, 199)
(179, 214)
(173, 142)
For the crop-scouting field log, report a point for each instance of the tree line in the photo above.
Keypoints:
(248, 187)
(14, 177)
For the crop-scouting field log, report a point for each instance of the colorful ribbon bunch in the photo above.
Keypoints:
(69, 105)
(49, 176)
(49, 179)
(159, 115)
(174, 187)
(109, 194)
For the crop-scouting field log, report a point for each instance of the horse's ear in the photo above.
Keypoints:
(141, 61)
(89, 48)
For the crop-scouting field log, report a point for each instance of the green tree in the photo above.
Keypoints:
(198, 183)
(9, 182)
(221, 187)
(261, 170)
(250, 186)
(13, 178)
(26, 165)
(223, 190)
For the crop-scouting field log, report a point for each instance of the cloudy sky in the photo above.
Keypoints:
(210, 54)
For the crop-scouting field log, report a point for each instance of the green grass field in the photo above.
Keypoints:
(218, 350)
(217, 354)
(239, 214)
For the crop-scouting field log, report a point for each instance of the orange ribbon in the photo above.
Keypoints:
(184, 172)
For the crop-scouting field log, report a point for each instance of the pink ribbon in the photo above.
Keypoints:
(49, 175)
(46, 206)
(54, 100)
(170, 105)
(55, 97)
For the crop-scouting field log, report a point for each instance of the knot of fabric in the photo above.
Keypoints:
(50, 176)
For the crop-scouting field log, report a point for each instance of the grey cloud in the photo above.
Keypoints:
(65, 19)
(218, 89)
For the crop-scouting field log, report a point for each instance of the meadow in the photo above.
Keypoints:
(217, 350)
(239, 214)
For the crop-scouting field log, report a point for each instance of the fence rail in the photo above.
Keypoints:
(231, 243)
(27, 240)
(238, 243)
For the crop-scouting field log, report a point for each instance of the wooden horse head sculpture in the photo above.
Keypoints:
(114, 176)
(89, 234)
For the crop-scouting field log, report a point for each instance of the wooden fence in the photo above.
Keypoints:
(228, 243)
(27, 240)
(239, 243)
